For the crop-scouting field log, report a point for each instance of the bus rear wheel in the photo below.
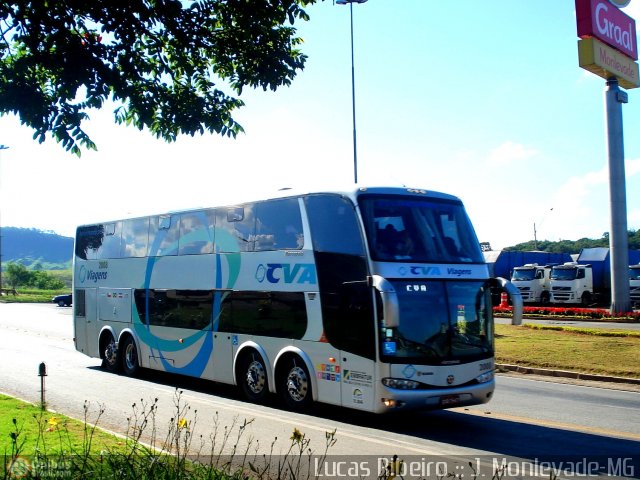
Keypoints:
(253, 377)
(295, 385)
(130, 357)
(109, 349)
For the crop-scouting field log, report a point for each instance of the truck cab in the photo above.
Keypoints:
(634, 284)
(572, 283)
(534, 282)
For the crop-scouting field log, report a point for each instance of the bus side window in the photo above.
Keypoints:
(98, 241)
(328, 215)
(163, 235)
(196, 232)
(235, 229)
(278, 225)
(135, 237)
(88, 241)
(79, 302)
(111, 241)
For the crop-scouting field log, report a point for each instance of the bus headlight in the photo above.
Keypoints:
(485, 377)
(400, 383)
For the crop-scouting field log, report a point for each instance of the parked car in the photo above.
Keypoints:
(63, 300)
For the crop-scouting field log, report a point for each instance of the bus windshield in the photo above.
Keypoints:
(409, 229)
(440, 321)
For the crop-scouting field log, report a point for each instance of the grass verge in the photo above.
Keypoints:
(32, 296)
(615, 353)
(37, 444)
(34, 429)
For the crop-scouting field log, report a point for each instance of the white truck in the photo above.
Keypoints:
(634, 284)
(572, 282)
(534, 282)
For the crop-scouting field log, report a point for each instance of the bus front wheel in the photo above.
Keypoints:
(130, 357)
(253, 377)
(295, 385)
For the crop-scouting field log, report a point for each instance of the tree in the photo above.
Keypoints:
(166, 63)
(575, 246)
(16, 275)
(44, 281)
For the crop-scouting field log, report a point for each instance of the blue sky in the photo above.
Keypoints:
(484, 100)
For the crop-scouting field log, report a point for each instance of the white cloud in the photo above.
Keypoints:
(581, 205)
(510, 152)
(573, 193)
(632, 167)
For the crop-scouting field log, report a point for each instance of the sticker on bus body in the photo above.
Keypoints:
(389, 348)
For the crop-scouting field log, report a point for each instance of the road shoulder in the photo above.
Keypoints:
(572, 378)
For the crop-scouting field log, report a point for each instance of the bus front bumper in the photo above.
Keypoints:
(391, 399)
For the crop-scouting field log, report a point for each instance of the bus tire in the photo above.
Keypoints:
(130, 365)
(252, 377)
(109, 353)
(295, 384)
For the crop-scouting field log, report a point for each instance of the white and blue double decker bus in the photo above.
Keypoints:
(374, 299)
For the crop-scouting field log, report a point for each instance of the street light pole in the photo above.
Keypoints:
(353, 88)
(535, 232)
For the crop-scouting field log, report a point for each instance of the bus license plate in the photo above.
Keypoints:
(448, 400)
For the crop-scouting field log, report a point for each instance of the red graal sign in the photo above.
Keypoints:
(604, 21)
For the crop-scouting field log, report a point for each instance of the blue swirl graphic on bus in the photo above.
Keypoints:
(196, 366)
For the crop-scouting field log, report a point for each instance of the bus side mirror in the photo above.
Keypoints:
(390, 306)
(514, 295)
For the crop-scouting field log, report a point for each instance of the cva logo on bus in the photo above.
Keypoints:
(288, 273)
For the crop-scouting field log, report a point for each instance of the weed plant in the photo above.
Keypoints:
(149, 452)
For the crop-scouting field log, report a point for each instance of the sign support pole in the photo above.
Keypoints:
(618, 236)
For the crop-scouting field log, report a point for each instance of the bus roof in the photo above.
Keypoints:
(353, 192)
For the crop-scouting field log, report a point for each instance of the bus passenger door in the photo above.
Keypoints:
(358, 380)
(357, 341)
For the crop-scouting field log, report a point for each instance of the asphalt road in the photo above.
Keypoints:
(534, 420)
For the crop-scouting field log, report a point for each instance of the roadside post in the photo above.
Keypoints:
(42, 372)
(608, 47)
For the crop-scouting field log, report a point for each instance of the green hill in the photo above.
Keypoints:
(36, 249)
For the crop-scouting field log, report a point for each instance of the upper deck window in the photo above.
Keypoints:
(135, 237)
(196, 232)
(163, 235)
(269, 225)
(417, 230)
(334, 225)
(278, 225)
